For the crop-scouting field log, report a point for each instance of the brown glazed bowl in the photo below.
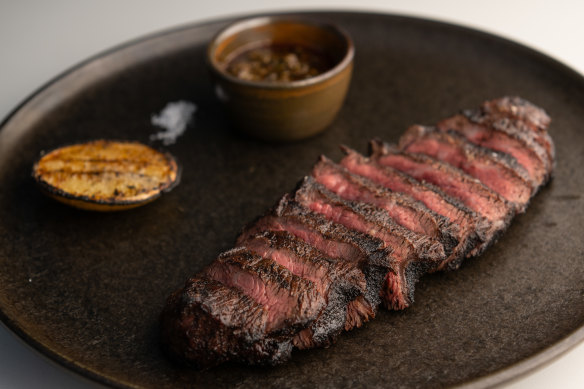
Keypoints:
(282, 110)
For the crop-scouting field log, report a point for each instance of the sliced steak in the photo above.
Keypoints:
(517, 116)
(451, 180)
(354, 236)
(406, 211)
(472, 227)
(530, 120)
(502, 135)
(207, 323)
(498, 171)
(520, 116)
(405, 243)
(291, 301)
(413, 254)
(518, 108)
(536, 140)
(336, 241)
(341, 282)
(304, 260)
(248, 307)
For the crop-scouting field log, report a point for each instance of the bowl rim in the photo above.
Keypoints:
(241, 25)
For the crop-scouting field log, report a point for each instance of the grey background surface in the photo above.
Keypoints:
(39, 40)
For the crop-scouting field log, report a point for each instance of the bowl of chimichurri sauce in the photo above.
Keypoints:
(281, 78)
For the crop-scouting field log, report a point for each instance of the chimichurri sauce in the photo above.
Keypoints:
(278, 63)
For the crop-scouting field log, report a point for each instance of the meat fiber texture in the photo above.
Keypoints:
(360, 233)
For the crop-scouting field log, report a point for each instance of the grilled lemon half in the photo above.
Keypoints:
(106, 175)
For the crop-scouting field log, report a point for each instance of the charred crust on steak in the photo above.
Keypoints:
(498, 171)
(473, 228)
(359, 234)
(404, 209)
(453, 181)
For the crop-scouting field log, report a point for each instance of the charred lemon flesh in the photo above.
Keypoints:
(106, 175)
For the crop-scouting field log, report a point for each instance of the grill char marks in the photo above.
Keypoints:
(369, 254)
(520, 116)
(340, 282)
(454, 182)
(333, 239)
(526, 118)
(498, 171)
(303, 260)
(406, 211)
(366, 217)
(472, 229)
(207, 323)
(413, 254)
(291, 301)
(252, 305)
(503, 136)
(518, 108)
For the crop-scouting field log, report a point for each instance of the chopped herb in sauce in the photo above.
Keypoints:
(278, 63)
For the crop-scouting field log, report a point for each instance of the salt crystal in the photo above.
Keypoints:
(174, 118)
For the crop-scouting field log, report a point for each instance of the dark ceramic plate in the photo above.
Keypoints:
(87, 288)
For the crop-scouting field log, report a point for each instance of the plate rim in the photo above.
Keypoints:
(507, 374)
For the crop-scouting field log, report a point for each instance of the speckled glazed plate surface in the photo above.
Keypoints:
(87, 288)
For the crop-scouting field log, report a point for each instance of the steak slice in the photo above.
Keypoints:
(249, 308)
(518, 108)
(406, 211)
(207, 323)
(534, 130)
(254, 305)
(519, 116)
(291, 301)
(528, 119)
(413, 254)
(502, 135)
(498, 171)
(472, 227)
(451, 180)
(304, 260)
(336, 241)
(340, 282)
